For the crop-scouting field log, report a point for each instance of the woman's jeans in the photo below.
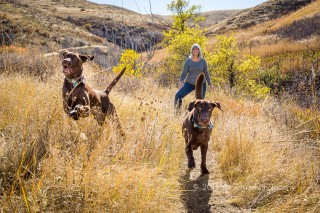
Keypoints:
(185, 90)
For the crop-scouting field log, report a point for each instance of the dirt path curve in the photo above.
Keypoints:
(207, 193)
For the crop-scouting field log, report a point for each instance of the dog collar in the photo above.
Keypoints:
(75, 81)
(210, 126)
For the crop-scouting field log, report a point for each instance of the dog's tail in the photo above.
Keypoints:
(199, 86)
(108, 89)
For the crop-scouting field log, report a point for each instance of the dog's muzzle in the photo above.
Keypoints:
(66, 66)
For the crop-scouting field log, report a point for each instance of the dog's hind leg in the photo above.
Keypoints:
(112, 114)
(99, 117)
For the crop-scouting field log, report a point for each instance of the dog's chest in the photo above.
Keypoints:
(199, 139)
(73, 94)
(69, 93)
(203, 137)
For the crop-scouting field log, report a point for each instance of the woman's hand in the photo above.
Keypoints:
(180, 84)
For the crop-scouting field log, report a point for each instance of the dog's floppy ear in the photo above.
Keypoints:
(63, 53)
(216, 104)
(192, 105)
(84, 58)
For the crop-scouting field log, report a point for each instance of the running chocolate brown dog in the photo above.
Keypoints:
(197, 128)
(79, 99)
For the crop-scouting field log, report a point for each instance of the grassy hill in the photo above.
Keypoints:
(266, 11)
(278, 28)
(57, 24)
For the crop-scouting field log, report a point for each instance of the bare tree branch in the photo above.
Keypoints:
(162, 22)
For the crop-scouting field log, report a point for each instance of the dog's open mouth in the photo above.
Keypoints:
(66, 69)
(203, 124)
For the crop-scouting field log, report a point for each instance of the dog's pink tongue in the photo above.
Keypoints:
(66, 70)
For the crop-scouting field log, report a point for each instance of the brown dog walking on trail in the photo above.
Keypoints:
(79, 99)
(197, 127)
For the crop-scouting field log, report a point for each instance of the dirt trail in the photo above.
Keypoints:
(207, 193)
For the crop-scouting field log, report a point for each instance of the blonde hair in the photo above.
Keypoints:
(197, 46)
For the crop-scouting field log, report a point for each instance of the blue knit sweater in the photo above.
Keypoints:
(191, 71)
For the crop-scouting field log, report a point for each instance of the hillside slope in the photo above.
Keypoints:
(56, 24)
(51, 24)
(214, 17)
(269, 10)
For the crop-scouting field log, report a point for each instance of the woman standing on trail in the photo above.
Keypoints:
(193, 66)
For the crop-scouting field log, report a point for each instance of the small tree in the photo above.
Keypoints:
(87, 26)
(183, 33)
(248, 77)
(222, 61)
(183, 13)
(129, 59)
(229, 70)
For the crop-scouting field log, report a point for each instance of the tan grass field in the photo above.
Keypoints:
(88, 168)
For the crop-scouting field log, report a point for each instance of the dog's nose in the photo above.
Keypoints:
(205, 119)
(67, 59)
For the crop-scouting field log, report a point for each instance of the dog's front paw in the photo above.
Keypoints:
(84, 111)
(191, 164)
(74, 114)
(204, 170)
(79, 111)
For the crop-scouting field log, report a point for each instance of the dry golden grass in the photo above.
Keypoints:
(269, 166)
(26, 61)
(288, 56)
(271, 47)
